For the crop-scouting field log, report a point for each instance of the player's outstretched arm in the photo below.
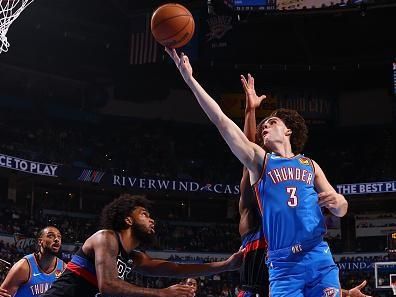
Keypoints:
(17, 276)
(247, 152)
(105, 247)
(328, 197)
(156, 267)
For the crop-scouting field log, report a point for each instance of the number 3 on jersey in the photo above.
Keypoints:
(293, 199)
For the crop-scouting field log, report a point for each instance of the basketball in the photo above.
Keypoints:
(172, 25)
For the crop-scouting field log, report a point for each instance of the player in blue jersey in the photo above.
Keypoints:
(254, 274)
(290, 188)
(34, 274)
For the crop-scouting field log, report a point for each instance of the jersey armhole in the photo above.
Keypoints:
(262, 170)
(30, 272)
(255, 185)
(312, 165)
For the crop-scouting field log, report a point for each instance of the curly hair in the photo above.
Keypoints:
(295, 122)
(114, 214)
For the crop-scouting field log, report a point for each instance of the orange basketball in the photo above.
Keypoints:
(172, 25)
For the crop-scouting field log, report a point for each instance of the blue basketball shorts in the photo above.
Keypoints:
(303, 271)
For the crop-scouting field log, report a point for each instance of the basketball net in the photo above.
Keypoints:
(9, 11)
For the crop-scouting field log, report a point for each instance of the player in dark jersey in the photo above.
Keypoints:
(293, 187)
(107, 257)
(254, 272)
(35, 273)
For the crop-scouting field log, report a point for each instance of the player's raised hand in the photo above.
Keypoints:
(178, 291)
(4, 293)
(252, 100)
(356, 291)
(182, 62)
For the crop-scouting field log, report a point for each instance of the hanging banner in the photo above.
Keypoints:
(106, 178)
(28, 166)
(173, 185)
(367, 188)
(315, 106)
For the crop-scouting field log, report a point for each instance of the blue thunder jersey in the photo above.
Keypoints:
(288, 201)
(39, 281)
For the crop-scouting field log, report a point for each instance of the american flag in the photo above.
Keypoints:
(144, 48)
